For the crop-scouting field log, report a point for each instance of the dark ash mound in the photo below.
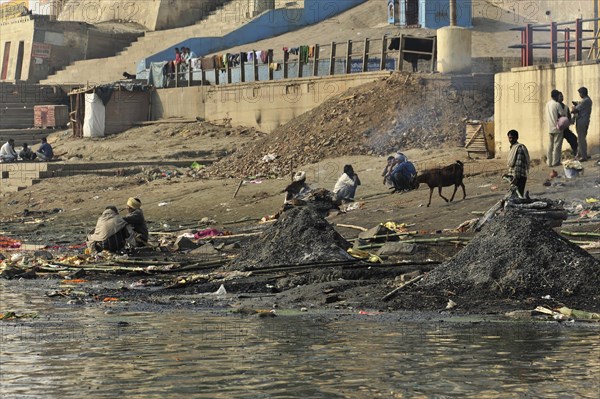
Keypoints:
(515, 258)
(299, 236)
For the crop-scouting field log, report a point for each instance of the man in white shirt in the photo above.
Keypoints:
(553, 110)
(345, 187)
(7, 151)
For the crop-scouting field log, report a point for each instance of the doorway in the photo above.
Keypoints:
(412, 12)
(5, 59)
(20, 52)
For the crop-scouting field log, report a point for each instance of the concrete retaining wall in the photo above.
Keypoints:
(263, 105)
(521, 96)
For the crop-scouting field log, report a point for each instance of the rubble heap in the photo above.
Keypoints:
(401, 111)
(299, 236)
(518, 257)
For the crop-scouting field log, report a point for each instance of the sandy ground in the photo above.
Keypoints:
(189, 199)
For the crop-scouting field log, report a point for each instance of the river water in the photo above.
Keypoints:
(115, 351)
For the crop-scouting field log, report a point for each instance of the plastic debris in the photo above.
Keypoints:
(221, 290)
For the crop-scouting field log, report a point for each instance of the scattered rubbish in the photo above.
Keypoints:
(572, 169)
(579, 314)
(364, 255)
(75, 281)
(591, 200)
(546, 297)
(553, 174)
(266, 313)
(351, 206)
(96, 197)
(269, 158)
(163, 203)
(196, 166)
(14, 316)
(451, 304)
(390, 294)
(206, 233)
(303, 309)
(221, 290)
(110, 299)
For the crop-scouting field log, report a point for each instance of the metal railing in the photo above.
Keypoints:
(327, 60)
(570, 37)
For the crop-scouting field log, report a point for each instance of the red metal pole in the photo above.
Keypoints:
(529, 45)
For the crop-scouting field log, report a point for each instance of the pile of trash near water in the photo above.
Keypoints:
(300, 236)
(516, 257)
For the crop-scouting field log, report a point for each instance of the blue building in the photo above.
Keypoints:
(431, 14)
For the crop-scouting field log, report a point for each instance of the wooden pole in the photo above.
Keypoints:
(332, 60)
(365, 66)
(238, 188)
(242, 68)
(316, 61)
(349, 57)
(383, 53)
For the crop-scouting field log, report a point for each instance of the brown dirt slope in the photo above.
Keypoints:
(398, 112)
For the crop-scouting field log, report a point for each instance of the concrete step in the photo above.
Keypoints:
(11, 189)
(224, 19)
(19, 182)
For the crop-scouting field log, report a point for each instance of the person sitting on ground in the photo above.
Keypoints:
(26, 154)
(111, 233)
(136, 220)
(345, 187)
(518, 163)
(298, 189)
(45, 152)
(403, 175)
(387, 171)
(7, 151)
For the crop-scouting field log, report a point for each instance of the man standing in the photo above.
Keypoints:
(7, 151)
(582, 110)
(518, 162)
(556, 135)
(135, 218)
(45, 152)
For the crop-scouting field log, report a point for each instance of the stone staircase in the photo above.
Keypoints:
(18, 99)
(221, 21)
(17, 176)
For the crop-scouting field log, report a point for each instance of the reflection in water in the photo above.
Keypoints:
(75, 352)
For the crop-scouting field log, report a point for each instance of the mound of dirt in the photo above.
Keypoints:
(517, 257)
(299, 236)
(401, 111)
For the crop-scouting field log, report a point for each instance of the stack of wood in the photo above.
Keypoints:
(551, 212)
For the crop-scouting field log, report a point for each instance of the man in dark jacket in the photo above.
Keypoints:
(135, 218)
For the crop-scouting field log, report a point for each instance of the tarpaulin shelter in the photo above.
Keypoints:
(111, 108)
